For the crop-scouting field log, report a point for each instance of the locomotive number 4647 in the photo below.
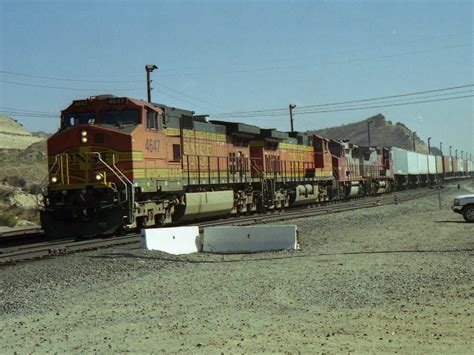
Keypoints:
(152, 145)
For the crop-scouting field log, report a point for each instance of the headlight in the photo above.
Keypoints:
(456, 202)
(84, 133)
(98, 177)
(84, 139)
(54, 179)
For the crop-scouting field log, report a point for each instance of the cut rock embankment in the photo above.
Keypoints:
(14, 136)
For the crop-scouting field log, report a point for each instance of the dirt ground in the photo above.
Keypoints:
(395, 279)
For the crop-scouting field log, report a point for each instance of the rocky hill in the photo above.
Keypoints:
(382, 133)
(23, 160)
(14, 136)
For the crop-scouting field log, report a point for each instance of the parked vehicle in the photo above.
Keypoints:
(464, 205)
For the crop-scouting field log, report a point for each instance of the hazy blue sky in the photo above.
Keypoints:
(244, 55)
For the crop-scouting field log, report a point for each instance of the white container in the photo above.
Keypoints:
(412, 159)
(422, 164)
(432, 164)
(439, 164)
(400, 162)
(460, 165)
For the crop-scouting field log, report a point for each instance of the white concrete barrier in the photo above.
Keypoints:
(251, 239)
(175, 240)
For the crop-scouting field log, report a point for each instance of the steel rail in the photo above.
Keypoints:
(22, 231)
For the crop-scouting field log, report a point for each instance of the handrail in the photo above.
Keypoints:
(113, 171)
(124, 176)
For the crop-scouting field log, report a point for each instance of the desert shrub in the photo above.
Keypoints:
(8, 219)
(31, 215)
(15, 181)
(5, 194)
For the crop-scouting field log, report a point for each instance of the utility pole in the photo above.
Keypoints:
(291, 107)
(368, 130)
(149, 68)
(429, 146)
(438, 179)
(414, 146)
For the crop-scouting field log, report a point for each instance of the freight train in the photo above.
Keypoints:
(118, 163)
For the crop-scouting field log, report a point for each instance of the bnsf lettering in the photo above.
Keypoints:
(152, 145)
(296, 156)
(195, 161)
(203, 149)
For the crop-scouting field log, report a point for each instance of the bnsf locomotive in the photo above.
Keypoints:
(119, 162)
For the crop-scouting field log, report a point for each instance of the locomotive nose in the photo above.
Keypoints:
(86, 155)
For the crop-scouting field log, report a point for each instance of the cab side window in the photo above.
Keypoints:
(154, 120)
(176, 152)
(151, 120)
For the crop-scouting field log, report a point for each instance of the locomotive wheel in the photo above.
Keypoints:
(468, 213)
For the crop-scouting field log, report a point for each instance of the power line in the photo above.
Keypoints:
(29, 115)
(284, 110)
(389, 105)
(25, 111)
(360, 107)
(186, 95)
(37, 76)
(67, 88)
(393, 96)
(398, 100)
(178, 98)
(315, 109)
(320, 111)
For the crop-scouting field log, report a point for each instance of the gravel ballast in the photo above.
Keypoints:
(396, 278)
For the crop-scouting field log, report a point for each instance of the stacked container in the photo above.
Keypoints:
(413, 168)
(454, 162)
(460, 166)
(439, 164)
(422, 164)
(400, 161)
(432, 165)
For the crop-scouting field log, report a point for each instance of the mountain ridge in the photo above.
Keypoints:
(382, 133)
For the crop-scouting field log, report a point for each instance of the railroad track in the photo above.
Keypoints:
(12, 254)
(24, 232)
(310, 211)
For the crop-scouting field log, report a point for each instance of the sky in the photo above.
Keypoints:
(217, 57)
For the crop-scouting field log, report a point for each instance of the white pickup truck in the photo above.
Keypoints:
(464, 205)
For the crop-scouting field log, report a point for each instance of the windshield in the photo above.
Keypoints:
(77, 118)
(118, 117)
